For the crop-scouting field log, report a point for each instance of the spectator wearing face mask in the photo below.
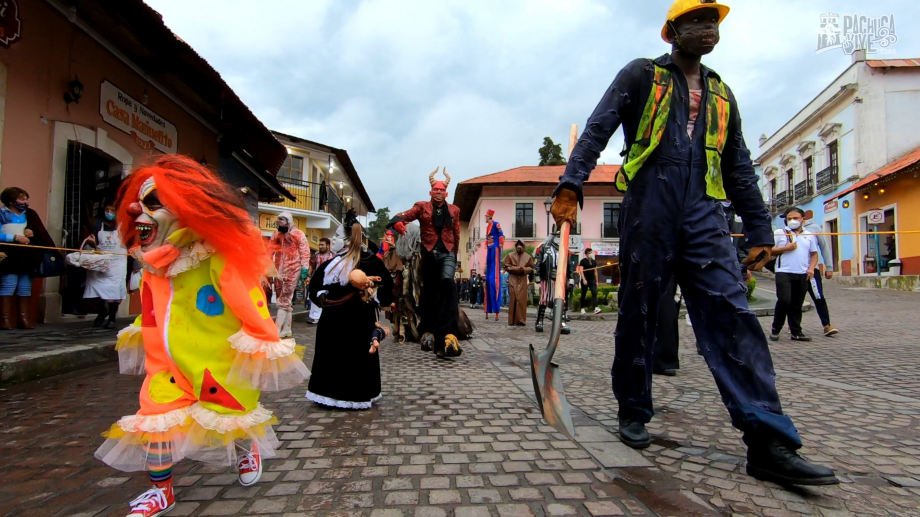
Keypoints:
(107, 286)
(19, 226)
(291, 256)
(796, 251)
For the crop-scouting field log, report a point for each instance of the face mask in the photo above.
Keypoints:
(283, 229)
(794, 224)
(21, 206)
(109, 216)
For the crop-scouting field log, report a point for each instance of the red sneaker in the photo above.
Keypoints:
(154, 502)
(250, 468)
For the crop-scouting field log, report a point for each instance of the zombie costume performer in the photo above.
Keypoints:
(546, 258)
(518, 264)
(346, 365)
(406, 267)
(495, 242)
(439, 225)
(685, 153)
(204, 339)
(291, 256)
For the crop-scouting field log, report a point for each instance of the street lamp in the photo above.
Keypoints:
(548, 204)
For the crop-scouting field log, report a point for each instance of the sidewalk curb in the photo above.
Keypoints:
(38, 365)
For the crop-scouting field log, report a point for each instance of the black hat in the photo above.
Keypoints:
(519, 243)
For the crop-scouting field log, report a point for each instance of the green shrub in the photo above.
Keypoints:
(751, 285)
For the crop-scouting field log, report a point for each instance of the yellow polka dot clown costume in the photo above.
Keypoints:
(204, 339)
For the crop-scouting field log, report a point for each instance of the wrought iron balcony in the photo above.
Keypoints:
(803, 189)
(780, 201)
(826, 178)
(521, 230)
(310, 197)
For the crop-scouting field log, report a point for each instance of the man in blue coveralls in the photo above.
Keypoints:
(685, 154)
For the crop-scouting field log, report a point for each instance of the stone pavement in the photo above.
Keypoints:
(464, 437)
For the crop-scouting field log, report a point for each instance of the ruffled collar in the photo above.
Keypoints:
(182, 252)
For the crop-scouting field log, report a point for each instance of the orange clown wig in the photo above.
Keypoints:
(201, 202)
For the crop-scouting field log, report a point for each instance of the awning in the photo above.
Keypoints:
(907, 162)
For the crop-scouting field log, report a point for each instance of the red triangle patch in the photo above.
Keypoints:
(148, 317)
(213, 392)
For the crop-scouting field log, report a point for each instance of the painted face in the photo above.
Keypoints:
(697, 31)
(438, 192)
(519, 249)
(153, 221)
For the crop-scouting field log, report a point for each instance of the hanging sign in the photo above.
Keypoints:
(876, 216)
(10, 24)
(150, 131)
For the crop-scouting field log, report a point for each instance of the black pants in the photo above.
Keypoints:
(584, 290)
(790, 295)
(667, 338)
(438, 302)
(819, 300)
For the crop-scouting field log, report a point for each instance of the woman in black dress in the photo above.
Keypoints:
(346, 365)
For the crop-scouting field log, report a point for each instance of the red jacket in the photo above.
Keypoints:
(423, 212)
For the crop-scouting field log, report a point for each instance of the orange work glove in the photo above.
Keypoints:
(565, 206)
(757, 258)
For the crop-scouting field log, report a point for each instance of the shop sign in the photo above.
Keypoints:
(10, 24)
(150, 131)
(876, 216)
(830, 206)
(575, 243)
(606, 250)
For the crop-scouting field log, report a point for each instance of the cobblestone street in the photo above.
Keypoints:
(465, 438)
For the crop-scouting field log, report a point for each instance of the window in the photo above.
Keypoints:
(523, 220)
(773, 189)
(808, 163)
(790, 182)
(292, 168)
(832, 160)
(610, 226)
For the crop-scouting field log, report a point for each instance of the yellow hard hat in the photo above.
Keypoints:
(681, 7)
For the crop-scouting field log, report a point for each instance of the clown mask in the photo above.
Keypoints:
(153, 221)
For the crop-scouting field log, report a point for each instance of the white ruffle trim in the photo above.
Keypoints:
(154, 423)
(266, 365)
(243, 342)
(189, 258)
(344, 404)
(193, 432)
(130, 347)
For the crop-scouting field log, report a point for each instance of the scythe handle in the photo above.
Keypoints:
(562, 263)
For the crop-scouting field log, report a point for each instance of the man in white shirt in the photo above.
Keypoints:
(796, 251)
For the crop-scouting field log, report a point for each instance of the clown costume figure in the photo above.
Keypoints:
(204, 339)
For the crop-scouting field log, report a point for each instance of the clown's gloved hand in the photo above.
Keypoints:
(565, 206)
(400, 227)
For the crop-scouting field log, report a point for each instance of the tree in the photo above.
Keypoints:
(551, 153)
(376, 229)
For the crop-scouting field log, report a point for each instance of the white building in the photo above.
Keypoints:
(864, 119)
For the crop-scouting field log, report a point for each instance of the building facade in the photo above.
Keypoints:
(91, 89)
(862, 122)
(325, 184)
(521, 200)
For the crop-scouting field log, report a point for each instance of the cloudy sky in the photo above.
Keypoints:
(405, 85)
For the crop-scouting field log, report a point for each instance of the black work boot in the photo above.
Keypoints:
(633, 434)
(775, 461)
(541, 311)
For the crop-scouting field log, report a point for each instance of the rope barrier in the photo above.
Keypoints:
(57, 248)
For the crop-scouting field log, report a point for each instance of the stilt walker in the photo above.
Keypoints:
(495, 242)
(204, 339)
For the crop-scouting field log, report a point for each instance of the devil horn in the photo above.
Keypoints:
(447, 176)
(431, 179)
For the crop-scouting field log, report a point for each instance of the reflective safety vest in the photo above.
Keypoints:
(654, 119)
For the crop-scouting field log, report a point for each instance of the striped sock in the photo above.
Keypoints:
(159, 462)
(160, 475)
